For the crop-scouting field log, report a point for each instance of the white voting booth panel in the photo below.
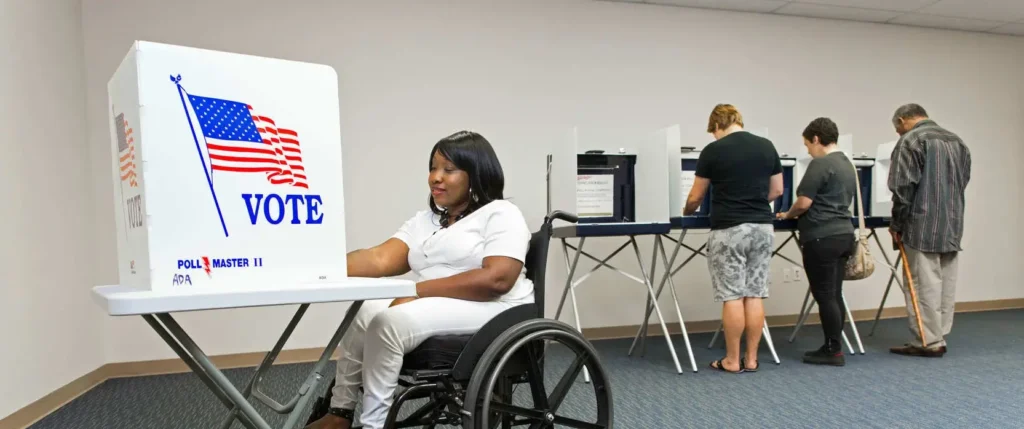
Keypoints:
(803, 159)
(594, 194)
(227, 170)
(882, 206)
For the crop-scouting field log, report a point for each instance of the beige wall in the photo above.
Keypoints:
(50, 331)
(522, 72)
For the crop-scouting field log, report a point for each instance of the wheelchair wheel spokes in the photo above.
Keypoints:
(522, 353)
(565, 383)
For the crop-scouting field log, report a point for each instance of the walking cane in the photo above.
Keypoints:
(913, 293)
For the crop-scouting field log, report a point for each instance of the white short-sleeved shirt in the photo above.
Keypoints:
(496, 229)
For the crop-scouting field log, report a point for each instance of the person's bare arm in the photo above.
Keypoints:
(800, 207)
(775, 187)
(700, 187)
(388, 259)
(495, 278)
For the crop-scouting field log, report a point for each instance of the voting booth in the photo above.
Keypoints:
(882, 196)
(865, 173)
(606, 187)
(610, 177)
(789, 185)
(227, 170)
(688, 163)
(688, 167)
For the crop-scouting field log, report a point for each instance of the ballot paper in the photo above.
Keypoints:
(595, 195)
(883, 160)
(688, 177)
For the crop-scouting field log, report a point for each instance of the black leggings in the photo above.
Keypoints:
(825, 263)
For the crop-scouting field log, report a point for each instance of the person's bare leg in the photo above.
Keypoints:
(753, 309)
(732, 318)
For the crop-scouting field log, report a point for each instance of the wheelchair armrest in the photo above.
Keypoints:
(476, 346)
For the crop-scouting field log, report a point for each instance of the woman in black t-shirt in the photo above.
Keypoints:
(745, 174)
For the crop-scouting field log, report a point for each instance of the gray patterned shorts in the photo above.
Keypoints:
(739, 259)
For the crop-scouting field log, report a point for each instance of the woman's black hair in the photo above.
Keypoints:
(824, 129)
(472, 153)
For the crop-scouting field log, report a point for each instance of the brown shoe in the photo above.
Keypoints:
(912, 350)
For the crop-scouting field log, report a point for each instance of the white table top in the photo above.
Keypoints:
(125, 301)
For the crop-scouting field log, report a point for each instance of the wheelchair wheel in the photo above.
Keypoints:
(519, 357)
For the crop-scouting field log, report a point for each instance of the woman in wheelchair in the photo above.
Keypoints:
(468, 251)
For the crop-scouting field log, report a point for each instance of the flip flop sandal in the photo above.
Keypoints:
(743, 366)
(717, 365)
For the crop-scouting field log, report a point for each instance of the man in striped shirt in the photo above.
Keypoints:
(930, 170)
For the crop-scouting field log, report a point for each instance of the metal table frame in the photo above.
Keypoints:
(625, 230)
(238, 402)
(669, 274)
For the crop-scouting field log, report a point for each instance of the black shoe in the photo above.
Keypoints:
(825, 356)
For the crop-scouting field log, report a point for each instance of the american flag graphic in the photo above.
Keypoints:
(126, 151)
(239, 140)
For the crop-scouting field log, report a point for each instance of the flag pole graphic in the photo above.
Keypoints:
(124, 211)
(199, 151)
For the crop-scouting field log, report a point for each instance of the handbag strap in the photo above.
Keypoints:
(860, 202)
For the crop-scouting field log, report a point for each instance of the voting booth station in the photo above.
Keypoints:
(606, 185)
(227, 174)
(227, 170)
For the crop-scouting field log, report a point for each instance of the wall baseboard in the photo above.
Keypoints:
(703, 326)
(35, 411)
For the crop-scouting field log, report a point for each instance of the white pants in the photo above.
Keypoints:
(381, 336)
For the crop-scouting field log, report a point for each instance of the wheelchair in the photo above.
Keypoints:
(470, 380)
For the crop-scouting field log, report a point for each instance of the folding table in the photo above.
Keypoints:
(629, 231)
(685, 224)
(156, 309)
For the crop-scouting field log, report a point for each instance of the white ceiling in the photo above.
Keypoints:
(987, 16)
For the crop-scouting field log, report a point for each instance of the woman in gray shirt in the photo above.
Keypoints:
(826, 232)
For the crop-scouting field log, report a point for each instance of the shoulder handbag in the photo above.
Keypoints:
(860, 265)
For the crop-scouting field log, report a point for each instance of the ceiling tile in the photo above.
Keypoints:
(934, 21)
(737, 5)
(992, 10)
(896, 5)
(1016, 29)
(837, 12)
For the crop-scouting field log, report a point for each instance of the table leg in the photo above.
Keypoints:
(715, 337)
(570, 273)
(771, 345)
(654, 265)
(853, 325)
(641, 334)
(268, 361)
(570, 289)
(675, 299)
(657, 309)
(892, 277)
(215, 375)
(196, 369)
(846, 340)
(316, 375)
(803, 310)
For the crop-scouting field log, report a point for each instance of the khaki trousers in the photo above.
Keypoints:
(935, 284)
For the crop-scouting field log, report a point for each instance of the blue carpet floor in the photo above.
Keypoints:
(978, 384)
